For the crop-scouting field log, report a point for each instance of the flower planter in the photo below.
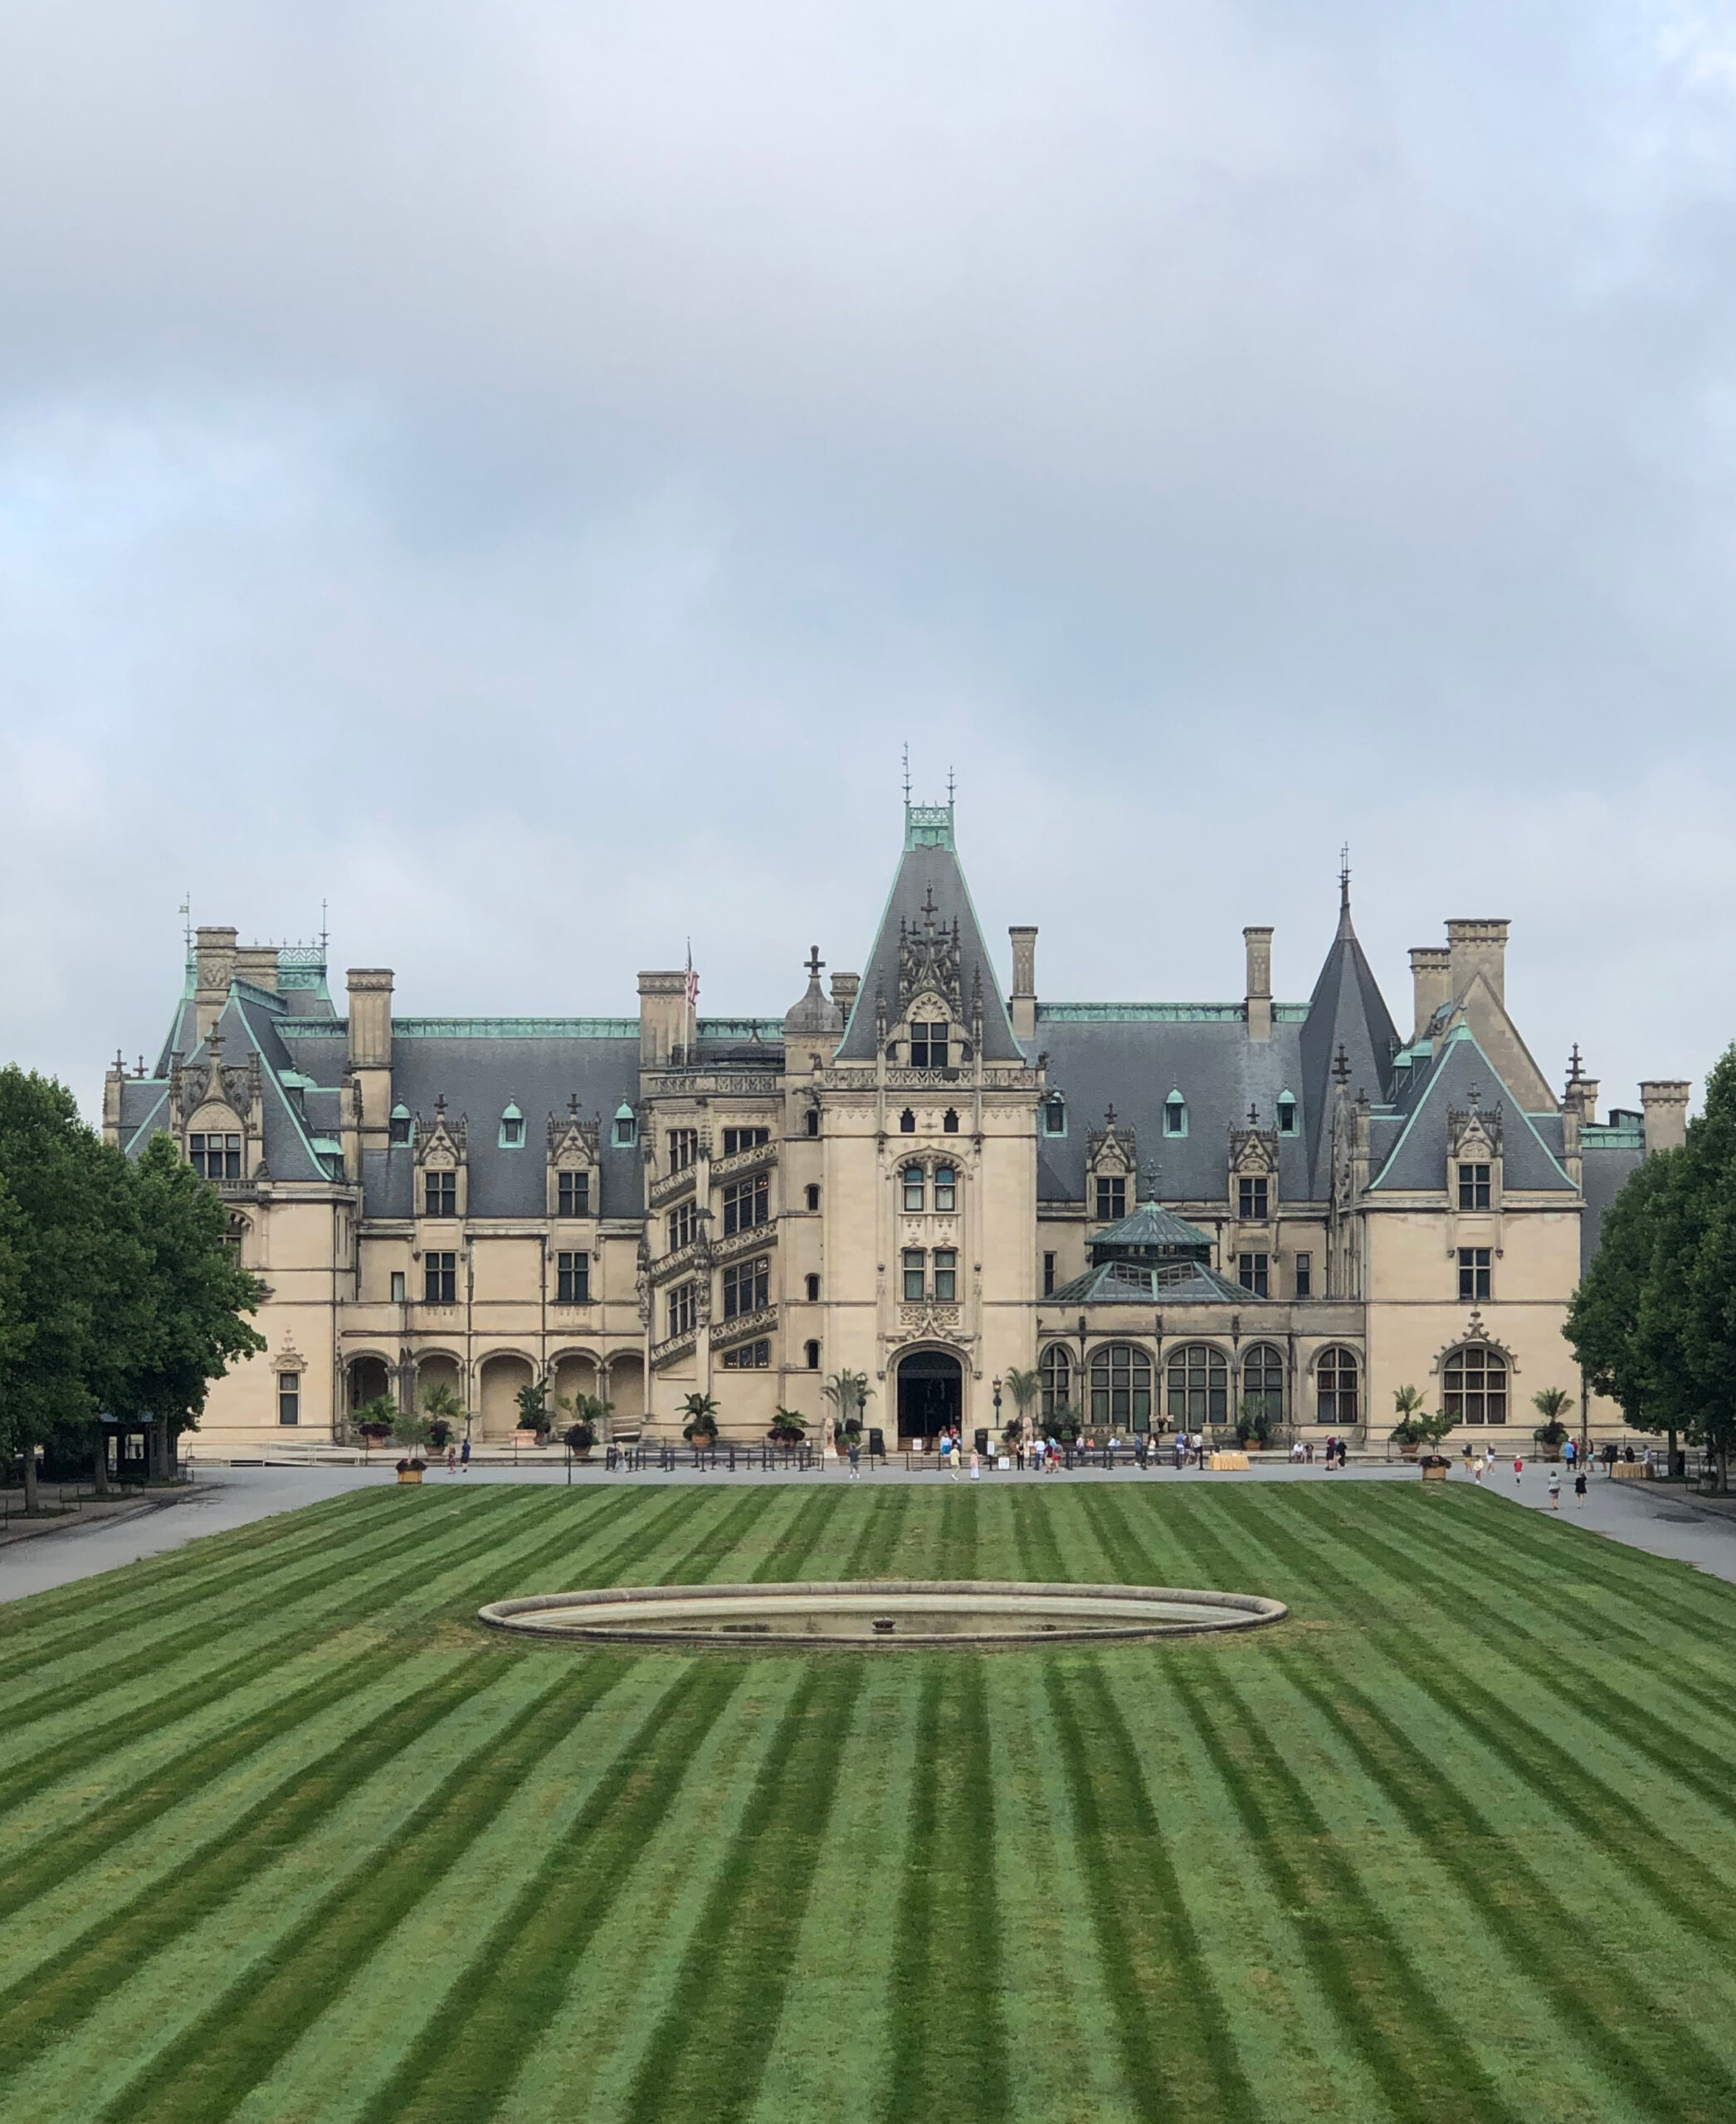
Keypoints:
(1435, 1471)
(409, 1474)
(1411, 1451)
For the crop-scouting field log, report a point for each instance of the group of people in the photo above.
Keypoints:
(1336, 1452)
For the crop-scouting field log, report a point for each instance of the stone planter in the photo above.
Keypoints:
(409, 1474)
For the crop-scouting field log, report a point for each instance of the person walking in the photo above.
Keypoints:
(1579, 1487)
(464, 1454)
(1555, 1489)
(452, 1459)
(855, 1460)
(1518, 1468)
(976, 1466)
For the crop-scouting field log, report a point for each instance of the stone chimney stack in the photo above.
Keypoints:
(1580, 1099)
(662, 1016)
(1666, 1102)
(1024, 980)
(1259, 944)
(1431, 981)
(213, 960)
(1474, 947)
(257, 963)
(370, 1017)
(844, 988)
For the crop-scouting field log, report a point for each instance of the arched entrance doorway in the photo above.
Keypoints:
(930, 1395)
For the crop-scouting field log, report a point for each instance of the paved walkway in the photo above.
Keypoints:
(1655, 1518)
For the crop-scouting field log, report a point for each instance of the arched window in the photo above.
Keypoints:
(811, 1352)
(813, 1289)
(1476, 1384)
(1121, 1387)
(627, 1126)
(1056, 1373)
(512, 1130)
(907, 1122)
(1335, 1386)
(1055, 1117)
(1262, 1385)
(1199, 1386)
(916, 1188)
(399, 1131)
(812, 1197)
(946, 1187)
(949, 1123)
(812, 1121)
(1286, 1113)
(1175, 1115)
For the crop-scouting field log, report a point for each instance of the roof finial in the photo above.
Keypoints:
(949, 788)
(1151, 1179)
(1574, 1071)
(813, 962)
(1344, 928)
(1253, 1115)
(907, 770)
(1341, 1065)
(325, 930)
(185, 912)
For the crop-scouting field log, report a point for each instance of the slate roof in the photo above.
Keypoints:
(1407, 1141)
(1346, 1010)
(929, 862)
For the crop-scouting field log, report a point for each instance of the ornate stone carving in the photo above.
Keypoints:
(928, 958)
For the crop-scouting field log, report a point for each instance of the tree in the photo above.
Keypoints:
(188, 1322)
(1024, 1387)
(1414, 1427)
(1602, 1321)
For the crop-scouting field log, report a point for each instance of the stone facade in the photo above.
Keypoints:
(1173, 1212)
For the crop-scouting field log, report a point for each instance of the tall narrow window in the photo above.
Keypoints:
(907, 1122)
(1335, 1386)
(398, 1287)
(810, 1353)
(949, 1122)
(1304, 1275)
(1262, 1384)
(811, 1120)
(1048, 1274)
(684, 1147)
(915, 1189)
(1175, 1115)
(512, 1130)
(682, 1225)
(1473, 1274)
(440, 1279)
(1199, 1386)
(289, 1399)
(927, 1046)
(812, 1196)
(912, 1276)
(1111, 1197)
(1474, 1187)
(440, 1194)
(627, 1128)
(573, 1279)
(746, 1203)
(1055, 1117)
(1121, 1387)
(1286, 1114)
(813, 1289)
(574, 1194)
(399, 1130)
(747, 1286)
(1251, 1197)
(1055, 1372)
(946, 1189)
(946, 1276)
(681, 1309)
(1254, 1274)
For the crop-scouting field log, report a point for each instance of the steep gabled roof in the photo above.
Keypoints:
(1346, 1010)
(930, 895)
(1460, 1074)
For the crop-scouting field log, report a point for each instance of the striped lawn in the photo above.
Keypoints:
(287, 1836)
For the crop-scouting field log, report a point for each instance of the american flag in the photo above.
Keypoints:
(692, 979)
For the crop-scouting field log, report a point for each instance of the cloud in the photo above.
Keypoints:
(521, 474)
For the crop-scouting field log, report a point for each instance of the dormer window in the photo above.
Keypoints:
(398, 1129)
(627, 1128)
(1055, 1117)
(1175, 1115)
(1286, 1114)
(1474, 1192)
(440, 1194)
(512, 1130)
(927, 1045)
(574, 1194)
(214, 1156)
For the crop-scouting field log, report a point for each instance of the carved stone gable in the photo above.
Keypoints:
(441, 1140)
(1474, 1131)
(1253, 1150)
(1115, 1147)
(927, 958)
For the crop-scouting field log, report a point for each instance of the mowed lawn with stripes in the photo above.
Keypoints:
(287, 1836)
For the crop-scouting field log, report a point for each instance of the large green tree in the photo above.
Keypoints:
(1653, 1323)
(186, 1314)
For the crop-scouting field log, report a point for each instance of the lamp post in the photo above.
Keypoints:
(861, 1416)
(993, 1447)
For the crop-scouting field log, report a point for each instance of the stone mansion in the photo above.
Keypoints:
(1174, 1212)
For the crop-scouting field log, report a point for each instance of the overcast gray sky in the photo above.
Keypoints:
(521, 472)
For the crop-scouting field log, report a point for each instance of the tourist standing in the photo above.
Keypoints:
(452, 1459)
(1555, 1489)
(1518, 1468)
(855, 1460)
(464, 1455)
(976, 1466)
(1579, 1487)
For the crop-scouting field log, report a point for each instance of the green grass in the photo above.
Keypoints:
(288, 1837)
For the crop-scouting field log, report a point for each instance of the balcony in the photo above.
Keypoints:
(744, 1328)
(747, 1161)
(672, 1186)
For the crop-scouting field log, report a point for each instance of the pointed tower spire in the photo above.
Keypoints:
(1344, 928)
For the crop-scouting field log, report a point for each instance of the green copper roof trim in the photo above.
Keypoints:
(771, 1028)
(1166, 1014)
(1598, 1136)
(927, 826)
(1463, 1032)
(512, 1028)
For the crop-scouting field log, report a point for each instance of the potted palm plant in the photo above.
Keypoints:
(534, 1417)
(1411, 1432)
(1023, 1386)
(789, 1427)
(445, 1413)
(1552, 1404)
(700, 1428)
(589, 1413)
(848, 1392)
(375, 1421)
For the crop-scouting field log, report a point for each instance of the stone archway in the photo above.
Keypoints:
(930, 1395)
(502, 1377)
(437, 1368)
(370, 1380)
(626, 1391)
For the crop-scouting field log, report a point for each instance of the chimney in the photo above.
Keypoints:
(370, 1016)
(1431, 980)
(662, 1016)
(1024, 980)
(257, 963)
(1474, 947)
(213, 959)
(1666, 1102)
(1580, 1099)
(1259, 944)
(844, 987)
